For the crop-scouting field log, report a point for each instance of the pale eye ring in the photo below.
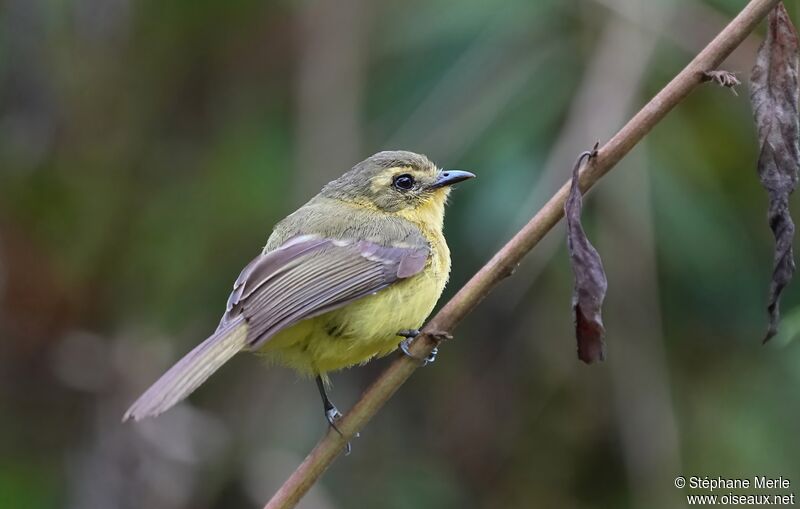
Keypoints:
(403, 182)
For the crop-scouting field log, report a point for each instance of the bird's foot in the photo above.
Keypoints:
(409, 336)
(333, 415)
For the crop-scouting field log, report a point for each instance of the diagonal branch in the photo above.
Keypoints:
(504, 261)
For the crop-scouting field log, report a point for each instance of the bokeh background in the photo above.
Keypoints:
(147, 148)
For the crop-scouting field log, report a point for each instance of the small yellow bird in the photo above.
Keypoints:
(339, 280)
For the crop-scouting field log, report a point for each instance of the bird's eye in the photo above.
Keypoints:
(403, 182)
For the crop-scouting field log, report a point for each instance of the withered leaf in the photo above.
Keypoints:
(774, 95)
(590, 279)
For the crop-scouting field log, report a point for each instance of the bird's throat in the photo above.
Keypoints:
(428, 216)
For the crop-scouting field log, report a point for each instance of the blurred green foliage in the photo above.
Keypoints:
(146, 149)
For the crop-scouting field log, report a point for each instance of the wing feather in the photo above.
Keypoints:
(314, 276)
(305, 277)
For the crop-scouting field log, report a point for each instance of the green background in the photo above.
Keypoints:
(146, 149)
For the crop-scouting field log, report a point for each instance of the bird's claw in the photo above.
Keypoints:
(431, 357)
(332, 415)
(406, 344)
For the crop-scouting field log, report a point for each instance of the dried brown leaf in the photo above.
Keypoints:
(590, 279)
(774, 96)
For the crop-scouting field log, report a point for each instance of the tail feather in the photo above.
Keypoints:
(190, 372)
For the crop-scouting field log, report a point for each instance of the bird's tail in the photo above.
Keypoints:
(190, 372)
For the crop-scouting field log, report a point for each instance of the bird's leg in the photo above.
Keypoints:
(332, 414)
(410, 334)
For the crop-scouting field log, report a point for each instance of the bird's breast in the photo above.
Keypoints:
(367, 327)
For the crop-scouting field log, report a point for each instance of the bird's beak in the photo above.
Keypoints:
(450, 177)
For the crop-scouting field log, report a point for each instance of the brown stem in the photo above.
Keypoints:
(504, 261)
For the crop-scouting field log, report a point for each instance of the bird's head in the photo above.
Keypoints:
(398, 182)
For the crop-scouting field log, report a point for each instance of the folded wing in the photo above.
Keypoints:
(309, 276)
(305, 277)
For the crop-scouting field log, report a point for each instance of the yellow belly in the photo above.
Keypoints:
(357, 332)
(363, 329)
